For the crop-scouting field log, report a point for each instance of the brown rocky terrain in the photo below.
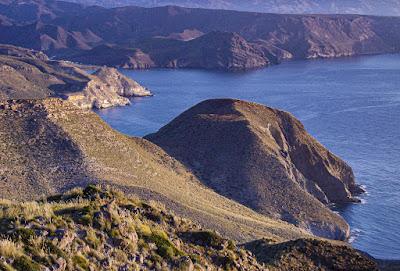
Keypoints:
(264, 159)
(132, 33)
(215, 50)
(99, 229)
(307, 254)
(50, 146)
(29, 74)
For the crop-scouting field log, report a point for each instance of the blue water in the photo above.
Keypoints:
(350, 105)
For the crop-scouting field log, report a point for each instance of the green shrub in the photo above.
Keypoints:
(6, 267)
(206, 238)
(80, 261)
(165, 248)
(143, 230)
(92, 239)
(24, 234)
(24, 263)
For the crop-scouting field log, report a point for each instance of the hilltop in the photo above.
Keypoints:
(264, 159)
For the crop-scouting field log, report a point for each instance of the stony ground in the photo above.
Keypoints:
(102, 229)
(95, 229)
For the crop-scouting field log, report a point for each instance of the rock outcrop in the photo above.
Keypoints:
(121, 84)
(264, 159)
(310, 254)
(107, 87)
(49, 146)
(29, 74)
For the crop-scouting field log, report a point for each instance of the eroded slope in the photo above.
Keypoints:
(262, 158)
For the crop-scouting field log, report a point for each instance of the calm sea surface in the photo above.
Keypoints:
(350, 105)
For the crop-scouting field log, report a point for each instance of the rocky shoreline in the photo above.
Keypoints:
(31, 74)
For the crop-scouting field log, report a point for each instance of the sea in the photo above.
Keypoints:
(351, 105)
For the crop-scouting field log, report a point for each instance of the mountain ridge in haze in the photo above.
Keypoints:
(367, 7)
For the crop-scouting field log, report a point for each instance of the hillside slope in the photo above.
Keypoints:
(54, 146)
(264, 159)
(95, 229)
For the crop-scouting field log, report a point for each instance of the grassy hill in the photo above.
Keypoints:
(49, 146)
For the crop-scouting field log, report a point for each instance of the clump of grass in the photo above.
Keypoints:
(24, 234)
(73, 194)
(10, 249)
(80, 261)
(81, 214)
(5, 202)
(206, 238)
(24, 263)
(143, 230)
(92, 239)
(165, 248)
(6, 267)
(26, 211)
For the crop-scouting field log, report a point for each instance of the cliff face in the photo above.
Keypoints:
(107, 87)
(264, 159)
(29, 74)
(215, 50)
(49, 146)
(77, 31)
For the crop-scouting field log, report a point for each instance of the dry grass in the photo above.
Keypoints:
(28, 210)
(9, 249)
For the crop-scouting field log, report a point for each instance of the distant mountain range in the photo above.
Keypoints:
(383, 7)
(176, 37)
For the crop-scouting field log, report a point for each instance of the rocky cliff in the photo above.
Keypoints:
(50, 146)
(215, 51)
(264, 159)
(107, 87)
(29, 74)
(96, 229)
